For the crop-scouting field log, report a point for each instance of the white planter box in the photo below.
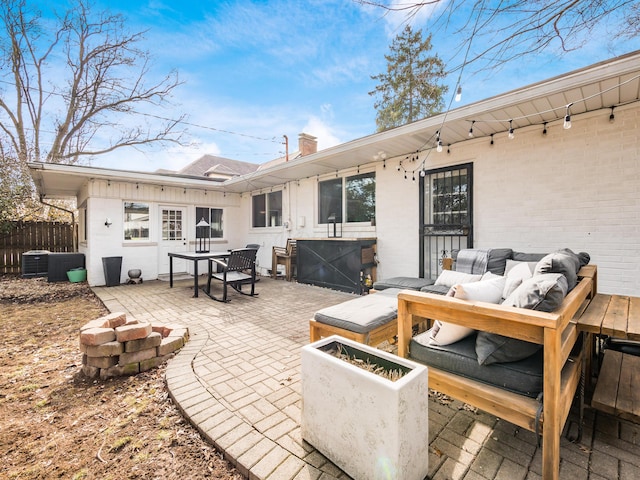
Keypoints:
(370, 427)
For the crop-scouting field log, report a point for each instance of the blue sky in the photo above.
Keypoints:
(281, 67)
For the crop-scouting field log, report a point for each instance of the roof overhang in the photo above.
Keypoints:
(612, 83)
(62, 181)
(604, 85)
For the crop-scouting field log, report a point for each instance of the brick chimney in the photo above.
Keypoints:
(307, 144)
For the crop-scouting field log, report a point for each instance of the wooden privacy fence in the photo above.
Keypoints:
(25, 236)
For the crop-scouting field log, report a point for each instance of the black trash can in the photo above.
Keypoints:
(112, 267)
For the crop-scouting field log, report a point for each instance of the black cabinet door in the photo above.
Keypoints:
(330, 263)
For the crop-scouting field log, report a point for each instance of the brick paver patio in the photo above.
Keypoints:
(238, 381)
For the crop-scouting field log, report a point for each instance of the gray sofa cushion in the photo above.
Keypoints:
(544, 293)
(439, 289)
(498, 260)
(523, 377)
(409, 283)
(527, 257)
(362, 314)
(563, 261)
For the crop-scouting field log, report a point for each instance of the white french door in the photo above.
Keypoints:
(173, 238)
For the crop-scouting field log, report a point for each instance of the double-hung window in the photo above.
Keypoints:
(353, 198)
(267, 209)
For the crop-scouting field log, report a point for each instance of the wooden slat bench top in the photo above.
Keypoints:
(617, 391)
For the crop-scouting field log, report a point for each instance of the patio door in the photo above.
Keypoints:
(446, 216)
(173, 238)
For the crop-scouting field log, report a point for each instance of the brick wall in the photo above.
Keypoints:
(576, 188)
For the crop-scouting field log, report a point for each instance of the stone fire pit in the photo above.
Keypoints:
(114, 345)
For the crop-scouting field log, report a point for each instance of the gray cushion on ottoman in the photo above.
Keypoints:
(409, 283)
(523, 377)
(362, 314)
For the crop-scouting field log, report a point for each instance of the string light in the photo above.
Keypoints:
(567, 118)
(511, 131)
(459, 93)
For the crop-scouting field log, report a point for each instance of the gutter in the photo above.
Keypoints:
(73, 220)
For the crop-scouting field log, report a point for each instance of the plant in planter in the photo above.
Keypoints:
(370, 426)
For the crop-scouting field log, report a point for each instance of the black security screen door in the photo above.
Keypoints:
(446, 216)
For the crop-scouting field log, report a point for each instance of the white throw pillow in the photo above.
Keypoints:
(490, 291)
(518, 272)
(449, 278)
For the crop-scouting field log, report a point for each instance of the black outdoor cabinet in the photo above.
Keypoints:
(337, 263)
(61, 263)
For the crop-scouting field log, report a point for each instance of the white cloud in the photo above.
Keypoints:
(323, 131)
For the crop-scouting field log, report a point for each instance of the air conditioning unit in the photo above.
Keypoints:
(35, 263)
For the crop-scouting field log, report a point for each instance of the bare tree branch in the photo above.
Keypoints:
(94, 110)
(512, 29)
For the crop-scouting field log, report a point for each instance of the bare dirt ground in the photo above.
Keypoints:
(56, 423)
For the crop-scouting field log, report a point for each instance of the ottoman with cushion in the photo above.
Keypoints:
(370, 319)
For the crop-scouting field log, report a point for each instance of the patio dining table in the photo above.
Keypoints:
(194, 257)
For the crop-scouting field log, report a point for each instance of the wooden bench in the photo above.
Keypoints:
(556, 331)
(618, 389)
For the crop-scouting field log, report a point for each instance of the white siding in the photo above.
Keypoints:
(105, 199)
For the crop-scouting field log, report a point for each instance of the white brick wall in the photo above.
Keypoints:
(576, 188)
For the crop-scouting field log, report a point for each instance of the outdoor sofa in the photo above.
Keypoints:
(521, 358)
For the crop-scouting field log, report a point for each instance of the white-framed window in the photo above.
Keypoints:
(352, 197)
(267, 209)
(213, 216)
(136, 221)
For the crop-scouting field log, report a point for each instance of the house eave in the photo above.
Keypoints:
(66, 181)
(604, 85)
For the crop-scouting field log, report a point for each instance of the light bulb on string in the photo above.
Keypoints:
(459, 93)
(439, 142)
(612, 117)
(471, 129)
(511, 134)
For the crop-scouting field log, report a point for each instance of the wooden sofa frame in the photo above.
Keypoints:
(556, 331)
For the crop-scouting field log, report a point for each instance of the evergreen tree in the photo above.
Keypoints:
(409, 89)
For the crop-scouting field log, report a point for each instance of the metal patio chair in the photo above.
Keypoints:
(232, 272)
